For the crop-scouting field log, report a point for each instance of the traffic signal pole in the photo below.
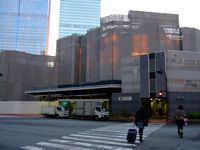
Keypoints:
(162, 72)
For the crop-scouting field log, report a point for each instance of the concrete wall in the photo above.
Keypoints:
(125, 102)
(23, 107)
(183, 71)
(130, 69)
(93, 55)
(183, 79)
(136, 34)
(22, 72)
(98, 55)
(71, 58)
(190, 39)
(189, 100)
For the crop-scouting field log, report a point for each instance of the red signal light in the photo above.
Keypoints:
(160, 94)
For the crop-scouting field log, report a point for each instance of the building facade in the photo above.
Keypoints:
(121, 36)
(34, 26)
(133, 48)
(71, 58)
(135, 34)
(162, 91)
(190, 39)
(22, 71)
(93, 55)
(144, 52)
(77, 16)
(24, 25)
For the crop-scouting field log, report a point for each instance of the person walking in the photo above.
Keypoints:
(141, 120)
(180, 116)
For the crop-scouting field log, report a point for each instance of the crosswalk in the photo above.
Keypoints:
(103, 138)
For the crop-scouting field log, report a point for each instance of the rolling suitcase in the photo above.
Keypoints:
(131, 135)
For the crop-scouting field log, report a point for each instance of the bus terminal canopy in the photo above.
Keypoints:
(90, 88)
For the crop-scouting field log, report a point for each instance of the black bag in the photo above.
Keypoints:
(131, 135)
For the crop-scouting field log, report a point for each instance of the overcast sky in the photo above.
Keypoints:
(188, 10)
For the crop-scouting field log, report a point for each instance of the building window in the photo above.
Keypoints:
(178, 81)
(190, 63)
(191, 83)
(198, 84)
(152, 62)
(50, 64)
(198, 63)
(152, 65)
(152, 75)
(152, 85)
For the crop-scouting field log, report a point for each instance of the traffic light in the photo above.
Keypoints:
(160, 94)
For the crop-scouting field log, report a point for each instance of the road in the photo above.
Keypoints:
(166, 138)
(51, 134)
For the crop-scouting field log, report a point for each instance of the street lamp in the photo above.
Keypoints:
(162, 72)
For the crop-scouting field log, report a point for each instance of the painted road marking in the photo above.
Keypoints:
(111, 135)
(99, 137)
(32, 148)
(61, 146)
(90, 145)
(107, 138)
(97, 141)
(100, 134)
(60, 141)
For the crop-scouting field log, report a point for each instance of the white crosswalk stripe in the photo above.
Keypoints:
(61, 146)
(98, 141)
(84, 144)
(32, 148)
(104, 138)
(98, 137)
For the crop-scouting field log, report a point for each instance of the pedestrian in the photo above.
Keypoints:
(141, 120)
(180, 116)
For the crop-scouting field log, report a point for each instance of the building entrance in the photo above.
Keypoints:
(156, 108)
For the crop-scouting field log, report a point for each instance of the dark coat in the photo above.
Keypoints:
(141, 116)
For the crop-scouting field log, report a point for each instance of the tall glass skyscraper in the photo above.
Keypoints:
(33, 26)
(24, 25)
(77, 16)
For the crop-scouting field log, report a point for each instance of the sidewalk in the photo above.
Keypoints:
(22, 115)
(166, 138)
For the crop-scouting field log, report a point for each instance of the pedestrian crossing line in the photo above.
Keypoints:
(61, 146)
(144, 135)
(124, 128)
(98, 141)
(83, 144)
(125, 134)
(107, 138)
(98, 137)
(106, 147)
(98, 134)
(59, 141)
(94, 145)
(105, 130)
(111, 136)
(32, 148)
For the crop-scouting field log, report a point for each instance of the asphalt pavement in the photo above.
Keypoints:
(166, 138)
(163, 138)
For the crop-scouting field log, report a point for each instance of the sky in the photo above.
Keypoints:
(188, 10)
